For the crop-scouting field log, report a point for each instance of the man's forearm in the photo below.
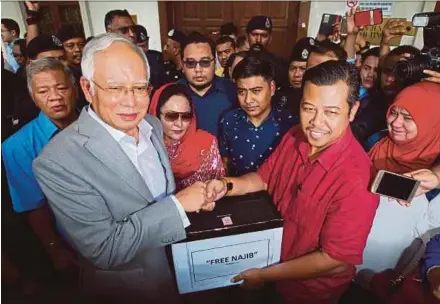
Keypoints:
(42, 224)
(32, 32)
(350, 46)
(247, 183)
(312, 265)
(384, 48)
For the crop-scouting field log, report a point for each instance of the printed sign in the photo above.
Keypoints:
(229, 260)
(212, 263)
(373, 34)
(386, 6)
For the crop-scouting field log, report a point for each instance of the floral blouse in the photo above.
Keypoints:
(211, 167)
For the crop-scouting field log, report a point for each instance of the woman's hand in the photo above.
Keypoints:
(428, 181)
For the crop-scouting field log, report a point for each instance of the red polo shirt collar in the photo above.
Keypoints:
(330, 156)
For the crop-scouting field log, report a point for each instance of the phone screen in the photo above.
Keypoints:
(396, 186)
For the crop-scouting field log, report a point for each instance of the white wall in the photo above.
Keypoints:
(400, 10)
(11, 9)
(147, 15)
(93, 13)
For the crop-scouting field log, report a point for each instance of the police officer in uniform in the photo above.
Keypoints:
(154, 57)
(172, 65)
(259, 31)
(289, 98)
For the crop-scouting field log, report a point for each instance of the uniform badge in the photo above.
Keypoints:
(267, 24)
(56, 41)
(171, 33)
(304, 54)
(312, 41)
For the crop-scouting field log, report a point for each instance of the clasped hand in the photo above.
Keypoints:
(201, 196)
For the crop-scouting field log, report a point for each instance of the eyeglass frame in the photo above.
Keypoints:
(126, 89)
(180, 115)
(198, 62)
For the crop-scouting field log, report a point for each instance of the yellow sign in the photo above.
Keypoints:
(135, 19)
(373, 34)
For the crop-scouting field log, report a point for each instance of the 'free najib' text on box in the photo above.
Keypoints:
(242, 232)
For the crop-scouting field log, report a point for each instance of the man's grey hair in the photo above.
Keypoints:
(48, 64)
(101, 43)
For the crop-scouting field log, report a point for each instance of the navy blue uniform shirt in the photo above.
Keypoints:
(221, 97)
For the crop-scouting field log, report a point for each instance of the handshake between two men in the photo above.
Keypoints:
(202, 195)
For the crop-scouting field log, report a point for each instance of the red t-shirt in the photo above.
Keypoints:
(325, 204)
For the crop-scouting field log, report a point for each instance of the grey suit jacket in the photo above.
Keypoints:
(105, 210)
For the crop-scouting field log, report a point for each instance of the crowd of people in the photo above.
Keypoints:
(107, 145)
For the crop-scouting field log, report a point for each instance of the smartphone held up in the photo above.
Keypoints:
(395, 186)
(366, 18)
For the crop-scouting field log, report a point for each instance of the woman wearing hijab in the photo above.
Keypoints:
(412, 145)
(193, 153)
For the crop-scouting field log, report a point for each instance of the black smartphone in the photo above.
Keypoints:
(395, 185)
(327, 21)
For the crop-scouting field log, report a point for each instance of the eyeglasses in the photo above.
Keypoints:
(204, 63)
(139, 90)
(124, 30)
(173, 116)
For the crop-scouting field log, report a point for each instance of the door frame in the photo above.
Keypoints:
(166, 21)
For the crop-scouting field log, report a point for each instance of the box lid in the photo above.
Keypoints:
(235, 215)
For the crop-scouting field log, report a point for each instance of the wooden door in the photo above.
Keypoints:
(55, 14)
(207, 17)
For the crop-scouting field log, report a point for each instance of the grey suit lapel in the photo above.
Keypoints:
(103, 146)
(163, 155)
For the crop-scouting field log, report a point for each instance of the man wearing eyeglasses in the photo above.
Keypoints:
(211, 95)
(109, 182)
(120, 21)
(10, 33)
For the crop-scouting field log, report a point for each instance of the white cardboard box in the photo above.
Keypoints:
(241, 233)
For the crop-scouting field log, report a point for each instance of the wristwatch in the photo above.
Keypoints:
(229, 185)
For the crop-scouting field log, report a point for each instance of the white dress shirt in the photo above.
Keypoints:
(145, 159)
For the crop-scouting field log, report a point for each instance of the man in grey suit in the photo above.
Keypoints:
(109, 182)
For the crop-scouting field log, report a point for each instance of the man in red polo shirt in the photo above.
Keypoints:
(318, 177)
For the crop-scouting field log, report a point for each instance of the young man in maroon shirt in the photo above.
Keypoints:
(319, 178)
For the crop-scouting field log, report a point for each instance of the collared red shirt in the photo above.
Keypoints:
(144, 157)
(18, 152)
(325, 204)
(210, 107)
(248, 146)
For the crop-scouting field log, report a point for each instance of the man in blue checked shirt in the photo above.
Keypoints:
(249, 134)
(53, 89)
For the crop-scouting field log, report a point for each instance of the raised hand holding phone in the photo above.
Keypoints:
(395, 186)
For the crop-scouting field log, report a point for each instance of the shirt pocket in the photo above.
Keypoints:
(306, 210)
